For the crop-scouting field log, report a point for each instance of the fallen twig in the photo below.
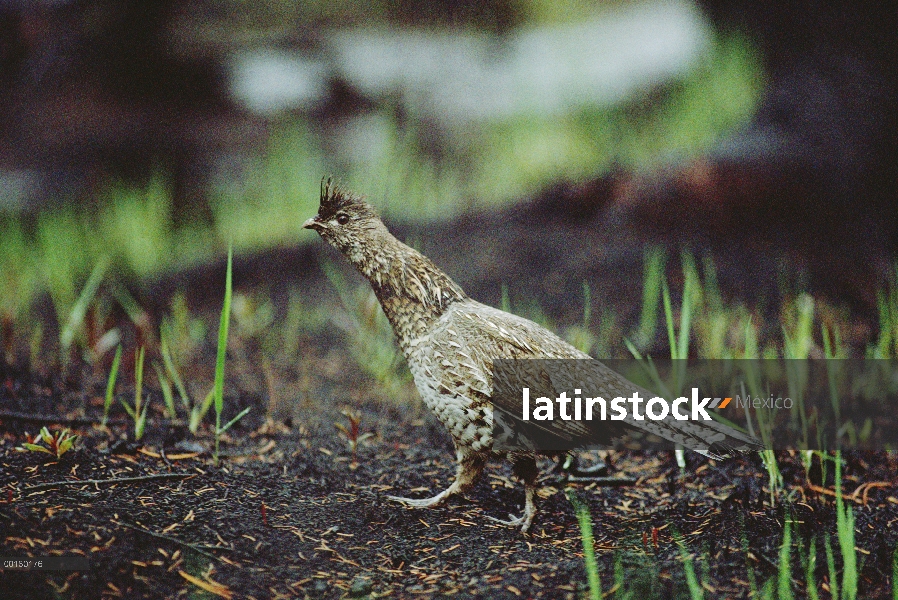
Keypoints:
(169, 538)
(10, 415)
(869, 486)
(52, 484)
(603, 481)
(866, 487)
(213, 587)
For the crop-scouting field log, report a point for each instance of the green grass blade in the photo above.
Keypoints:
(242, 414)
(138, 380)
(584, 519)
(587, 304)
(135, 313)
(810, 570)
(218, 389)
(652, 277)
(831, 569)
(224, 323)
(199, 411)
(691, 289)
(695, 589)
(141, 423)
(138, 415)
(668, 318)
(79, 309)
(110, 384)
(167, 396)
(67, 443)
(746, 549)
(619, 578)
(128, 409)
(173, 373)
(845, 535)
(633, 349)
(784, 578)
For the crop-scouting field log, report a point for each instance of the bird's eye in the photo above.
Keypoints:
(342, 218)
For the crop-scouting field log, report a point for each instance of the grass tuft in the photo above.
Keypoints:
(221, 354)
(138, 412)
(75, 322)
(110, 384)
(845, 536)
(784, 570)
(584, 520)
(695, 589)
(372, 342)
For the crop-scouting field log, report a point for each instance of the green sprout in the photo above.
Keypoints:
(168, 397)
(373, 346)
(353, 433)
(169, 376)
(198, 412)
(652, 277)
(172, 372)
(139, 411)
(75, 322)
(692, 583)
(580, 336)
(110, 385)
(584, 520)
(218, 389)
(784, 575)
(845, 537)
(57, 443)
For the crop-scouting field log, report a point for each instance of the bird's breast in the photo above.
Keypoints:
(468, 421)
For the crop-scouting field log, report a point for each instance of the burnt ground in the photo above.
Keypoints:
(292, 511)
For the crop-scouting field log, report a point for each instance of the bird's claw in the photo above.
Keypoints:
(524, 521)
(512, 520)
(418, 502)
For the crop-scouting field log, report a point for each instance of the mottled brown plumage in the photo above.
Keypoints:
(451, 341)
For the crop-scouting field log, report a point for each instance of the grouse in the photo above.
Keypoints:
(451, 341)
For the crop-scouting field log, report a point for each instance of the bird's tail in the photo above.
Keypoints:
(709, 438)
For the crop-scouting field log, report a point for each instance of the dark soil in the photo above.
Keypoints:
(296, 514)
(292, 511)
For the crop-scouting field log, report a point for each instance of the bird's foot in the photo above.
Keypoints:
(512, 521)
(524, 521)
(422, 502)
(467, 473)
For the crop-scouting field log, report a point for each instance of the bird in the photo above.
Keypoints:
(452, 343)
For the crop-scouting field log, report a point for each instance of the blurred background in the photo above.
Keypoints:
(153, 132)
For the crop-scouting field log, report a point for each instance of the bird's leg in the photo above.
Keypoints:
(470, 465)
(524, 467)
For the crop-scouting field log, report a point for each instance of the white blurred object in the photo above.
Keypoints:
(546, 70)
(270, 81)
(458, 77)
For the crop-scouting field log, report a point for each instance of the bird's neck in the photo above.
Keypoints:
(413, 292)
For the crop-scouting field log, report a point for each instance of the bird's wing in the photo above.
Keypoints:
(480, 334)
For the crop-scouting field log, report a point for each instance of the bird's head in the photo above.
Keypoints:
(346, 222)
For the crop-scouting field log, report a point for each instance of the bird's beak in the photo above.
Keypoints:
(313, 223)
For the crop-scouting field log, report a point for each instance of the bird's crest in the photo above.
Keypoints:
(334, 197)
(329, 190)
